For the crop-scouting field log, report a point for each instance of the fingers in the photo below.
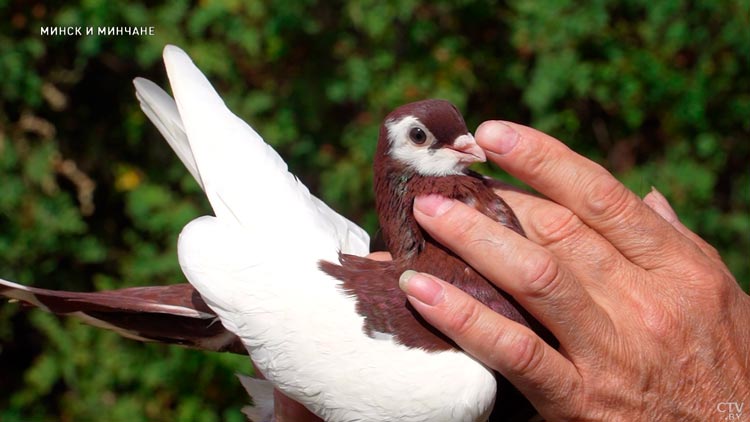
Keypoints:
(530, 273)
(536, 369)
(582, 186)
(380, 256)
(590, 257)
(657, 202)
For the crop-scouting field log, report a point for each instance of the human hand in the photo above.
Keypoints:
(651, 323)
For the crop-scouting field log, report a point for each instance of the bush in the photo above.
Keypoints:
(92, 198)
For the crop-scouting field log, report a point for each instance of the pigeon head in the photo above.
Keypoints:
(424, 147)
(428, 138)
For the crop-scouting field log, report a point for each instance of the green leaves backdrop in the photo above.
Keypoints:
(92, 198)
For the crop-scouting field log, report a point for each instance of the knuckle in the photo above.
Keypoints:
(465, 225)
(464, 318)
(553, 226)
(659, 321)
(705, 276)
(542, 276)
(706, 248)
(606, 197)
(525, 352)
(724, 287)
(472, 231)
(539, 160)
(711, 286)
(712, 252)
(603, 261)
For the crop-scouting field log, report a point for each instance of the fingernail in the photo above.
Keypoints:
(421, 287)
(657, 202)
(433, 205)
(497, 137)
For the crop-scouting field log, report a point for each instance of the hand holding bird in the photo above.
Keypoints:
(288, 278)
(641, 305)
(292, 284)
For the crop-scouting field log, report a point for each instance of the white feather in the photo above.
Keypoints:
(426, 161)
(163, 112)
(306, 337)
(262, 393)
(256, 265)
(22, 293)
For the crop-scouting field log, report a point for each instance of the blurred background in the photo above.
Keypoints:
(92, 198)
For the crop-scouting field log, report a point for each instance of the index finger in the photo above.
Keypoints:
(540, 372)
(584, 187)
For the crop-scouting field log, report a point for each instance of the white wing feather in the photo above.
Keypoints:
(233, 145)
(262, 393)
(232, 157)
(160, 108)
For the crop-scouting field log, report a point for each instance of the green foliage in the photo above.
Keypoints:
(92, 198)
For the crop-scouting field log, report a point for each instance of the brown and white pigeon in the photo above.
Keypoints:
(288, 278)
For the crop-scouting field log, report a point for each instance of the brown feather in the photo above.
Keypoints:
(375, 284)
(168, 314)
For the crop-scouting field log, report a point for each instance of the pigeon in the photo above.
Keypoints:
(288, 278)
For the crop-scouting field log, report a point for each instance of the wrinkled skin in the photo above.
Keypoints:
(651, 323)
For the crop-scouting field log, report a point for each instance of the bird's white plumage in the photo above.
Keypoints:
(307, 338)
(162, 111)
(256, 265)
(262, 393)
(426, 161)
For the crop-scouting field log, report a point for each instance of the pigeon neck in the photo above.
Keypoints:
(396, 187)
(394, 197)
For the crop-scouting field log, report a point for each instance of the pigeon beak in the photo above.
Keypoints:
(469, 149)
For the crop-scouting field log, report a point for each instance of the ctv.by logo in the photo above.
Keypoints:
(730, 410)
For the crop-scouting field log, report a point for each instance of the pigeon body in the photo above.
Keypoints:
(423, 148)
(258, 266)
(288, 278)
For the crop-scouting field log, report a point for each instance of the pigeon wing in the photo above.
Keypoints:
(167, 314)
(234, 154)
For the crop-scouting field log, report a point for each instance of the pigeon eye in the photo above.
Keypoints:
(417, 135)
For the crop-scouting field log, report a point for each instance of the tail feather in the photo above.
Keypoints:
(261, 391)
(168, 314)
(161, 109)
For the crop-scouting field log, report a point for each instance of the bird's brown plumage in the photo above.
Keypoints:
(167, 314)
(375, 284)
